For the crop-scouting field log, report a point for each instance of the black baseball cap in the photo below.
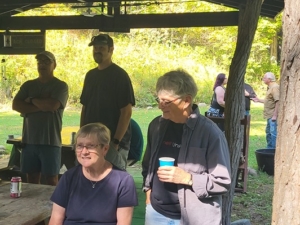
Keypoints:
(48, 54)
(102, 39)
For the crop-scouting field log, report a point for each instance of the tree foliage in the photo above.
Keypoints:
(147, 53)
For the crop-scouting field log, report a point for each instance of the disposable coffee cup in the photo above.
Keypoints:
(11, 136)
(166, 161)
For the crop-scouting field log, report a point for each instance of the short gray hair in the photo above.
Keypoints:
(98, 129)
(270, 76)
(179, 82)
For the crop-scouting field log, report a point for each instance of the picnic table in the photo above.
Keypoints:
(12, 168)
(32, 207)
(67, 153)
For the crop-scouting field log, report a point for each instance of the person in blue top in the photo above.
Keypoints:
(136, 144)
(95, 191)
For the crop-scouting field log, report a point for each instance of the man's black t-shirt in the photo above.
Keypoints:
(104, 93)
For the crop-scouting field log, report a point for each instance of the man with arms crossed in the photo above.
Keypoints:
(271, 102)
(107, 97)
(41, 102)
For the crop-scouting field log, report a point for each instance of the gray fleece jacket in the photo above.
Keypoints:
(204, 154)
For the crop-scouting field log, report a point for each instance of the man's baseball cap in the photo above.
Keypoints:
(49, 55)
(102, 39)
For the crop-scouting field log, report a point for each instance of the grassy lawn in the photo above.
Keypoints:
(11, 123)
(255, 205)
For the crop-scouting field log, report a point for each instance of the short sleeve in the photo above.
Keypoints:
(275, 93)
(60, 194)
(127, 193)
(125, 91)
(23, 93)
(61, 93)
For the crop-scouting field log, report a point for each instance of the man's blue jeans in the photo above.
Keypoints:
(271, 133)
(154, 218)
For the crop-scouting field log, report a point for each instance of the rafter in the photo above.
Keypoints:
(9, 8)
(121, 23)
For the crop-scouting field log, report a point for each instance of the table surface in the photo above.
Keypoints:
(18, 142)
(67, 152)
(65, 135)
(32, 207)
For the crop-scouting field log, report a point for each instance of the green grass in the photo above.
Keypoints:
(11, 123)
(255, 205)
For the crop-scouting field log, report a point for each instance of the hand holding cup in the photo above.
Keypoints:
(167, 172)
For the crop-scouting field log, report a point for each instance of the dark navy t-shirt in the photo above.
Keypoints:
(164, 196)
(87, 205)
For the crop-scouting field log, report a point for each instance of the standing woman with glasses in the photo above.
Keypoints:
(95, 191)
(190, 192)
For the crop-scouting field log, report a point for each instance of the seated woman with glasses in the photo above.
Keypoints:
(190, 192)
(93, 192)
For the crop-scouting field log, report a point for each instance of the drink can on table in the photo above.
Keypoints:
(15, 187)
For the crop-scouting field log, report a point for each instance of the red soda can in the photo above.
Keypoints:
(15, 187)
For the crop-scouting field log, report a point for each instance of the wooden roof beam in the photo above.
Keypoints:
(24, 2)
(10, 11)
(120, 22)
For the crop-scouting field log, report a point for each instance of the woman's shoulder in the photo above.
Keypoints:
(74, 171)
(220, 88)
(119, 173)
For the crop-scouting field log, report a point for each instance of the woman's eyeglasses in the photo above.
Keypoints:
(165, 102)
(89, 148)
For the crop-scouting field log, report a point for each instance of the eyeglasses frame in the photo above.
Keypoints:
(89, 148)
(164, 102)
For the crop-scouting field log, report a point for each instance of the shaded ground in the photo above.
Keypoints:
(256, 204)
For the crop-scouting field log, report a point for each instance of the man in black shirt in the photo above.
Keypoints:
(107, 97)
